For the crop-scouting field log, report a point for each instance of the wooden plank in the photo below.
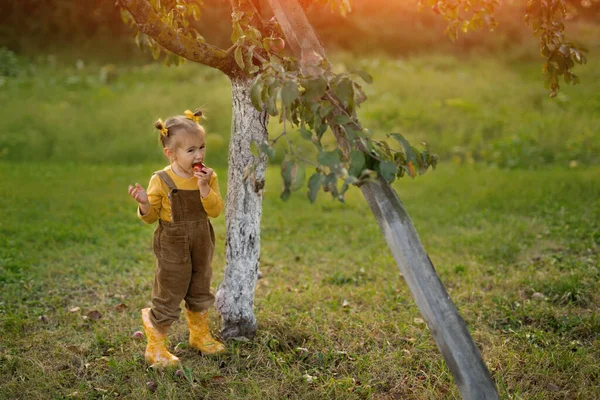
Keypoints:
(443, 319)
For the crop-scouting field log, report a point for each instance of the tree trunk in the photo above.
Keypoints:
(235, 295)
(445, 323)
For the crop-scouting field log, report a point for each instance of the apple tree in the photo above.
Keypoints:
(278, 68)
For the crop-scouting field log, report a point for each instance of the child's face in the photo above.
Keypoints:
(189, 149)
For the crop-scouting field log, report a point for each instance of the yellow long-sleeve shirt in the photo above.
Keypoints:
(160, 206)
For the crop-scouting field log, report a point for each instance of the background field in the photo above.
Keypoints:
(510, 219)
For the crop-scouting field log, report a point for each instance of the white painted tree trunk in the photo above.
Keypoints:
(235, 295)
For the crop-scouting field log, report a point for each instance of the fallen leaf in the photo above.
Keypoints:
(419, 321)
(151, 386)
(217, 379)
(553, 387)
(538, 296)
(75, 309)
(121, 307)
(309, 378)
(94, 315)
(75, 349)
(346, 303)
(138, 335)
(302, 349)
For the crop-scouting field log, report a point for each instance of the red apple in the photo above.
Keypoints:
(277, 44)
(198, 166)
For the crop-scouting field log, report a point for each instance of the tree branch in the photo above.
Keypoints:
(148, 22)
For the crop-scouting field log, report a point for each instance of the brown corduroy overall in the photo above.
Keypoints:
(184, 250)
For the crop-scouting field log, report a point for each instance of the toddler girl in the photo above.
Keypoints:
(181, 197)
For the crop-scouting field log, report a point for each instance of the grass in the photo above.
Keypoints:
(517, 251)
(516, 248)
(469, 108)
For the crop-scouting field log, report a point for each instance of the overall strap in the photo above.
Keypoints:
(162, 174)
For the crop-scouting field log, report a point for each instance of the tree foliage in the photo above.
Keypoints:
(320, 104)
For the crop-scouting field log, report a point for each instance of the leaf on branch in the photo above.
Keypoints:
(329, 158)
(314, 184)
(408, 151)
(289, 92)
(357, 163)
(298, 177)
(256, 93)
(286, 175)
(237, 33)
(293, 175)
(268, 150)
(364, 76)
(305, 133)
(387, 170)
(344, 91)
(239, 58)
(314, 88)
(342, 119)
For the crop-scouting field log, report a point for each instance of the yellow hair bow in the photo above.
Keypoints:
(163, 131)
(190, 115)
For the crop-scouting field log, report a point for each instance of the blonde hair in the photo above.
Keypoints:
(175, 126)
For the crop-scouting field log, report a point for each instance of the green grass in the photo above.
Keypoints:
(469, 108)
(517, 251)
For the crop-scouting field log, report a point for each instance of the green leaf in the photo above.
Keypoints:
(364, 75)
(408, 151)
(266, 44)
(268, 150)
(255, 94)
(239, 59)
(289, 92)
(353, 133)
(236, 33)
(314, 88)
(314, 184)
(325, 109)
(298, 177)
(344, 91)
(357, 163)
(329, 158)
(272, 106)
(305, 133)
(330, 185)
(342, 119)
(286, 173)
(388, 169)
(320, 130)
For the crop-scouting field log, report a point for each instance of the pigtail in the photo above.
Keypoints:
(194, 116)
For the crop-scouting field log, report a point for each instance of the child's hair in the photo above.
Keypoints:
(178, 124)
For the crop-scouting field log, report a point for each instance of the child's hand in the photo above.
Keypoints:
(139, 194)
(204, 180)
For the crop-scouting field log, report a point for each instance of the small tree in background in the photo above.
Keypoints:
(301, 89)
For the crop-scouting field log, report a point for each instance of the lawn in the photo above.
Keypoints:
(510, 219)
(517, 251)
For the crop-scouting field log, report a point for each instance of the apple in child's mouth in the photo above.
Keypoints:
(198, 166)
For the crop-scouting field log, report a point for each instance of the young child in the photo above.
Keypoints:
(181, 197)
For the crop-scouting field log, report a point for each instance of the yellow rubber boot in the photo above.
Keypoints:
(200, 337)
(157, 355)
